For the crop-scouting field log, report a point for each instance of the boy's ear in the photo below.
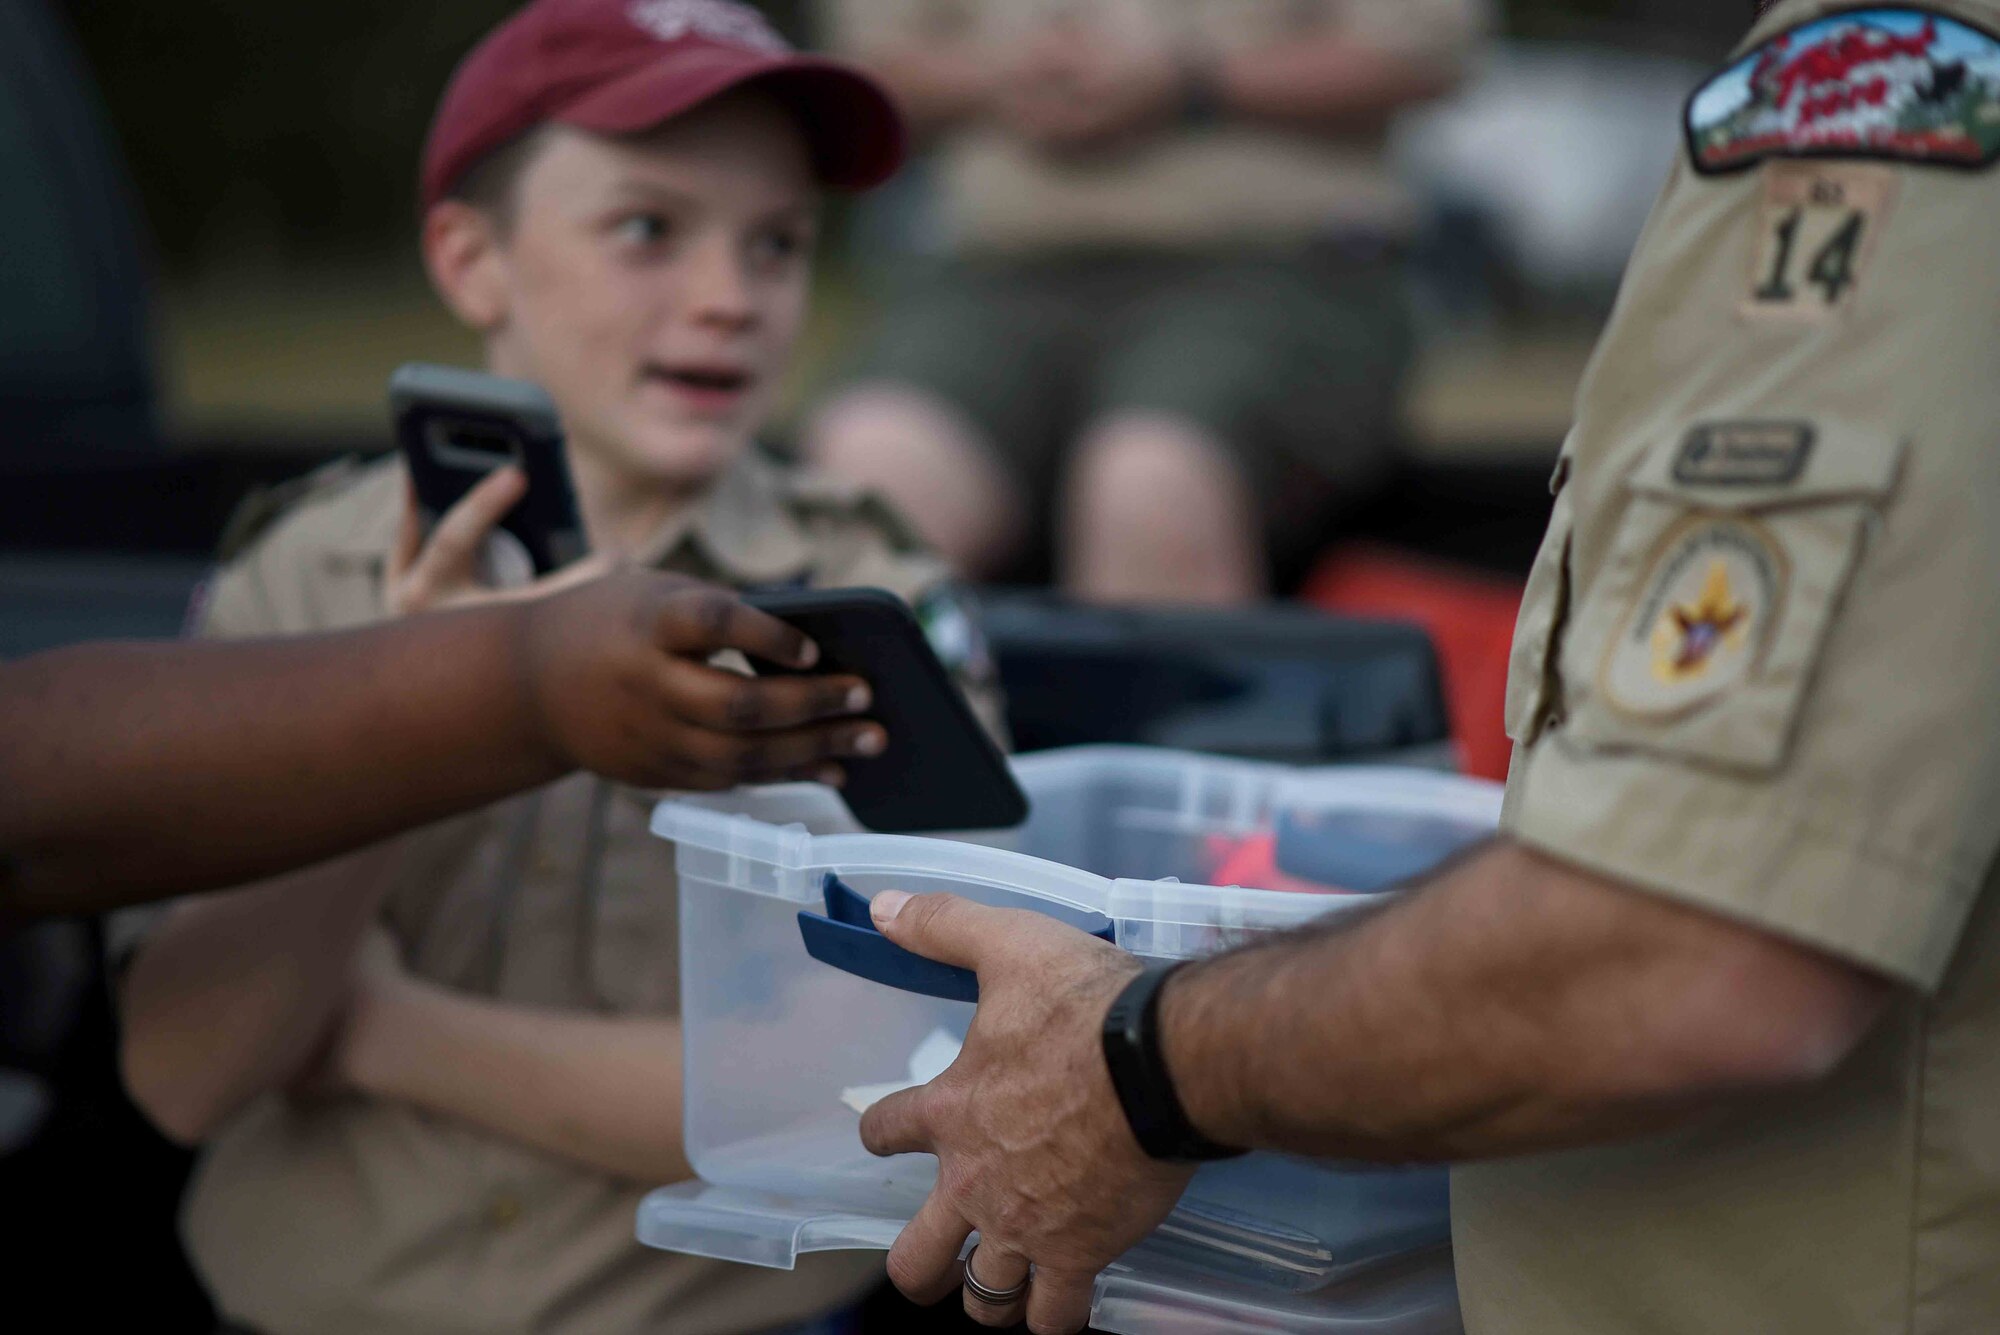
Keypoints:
(462, 252)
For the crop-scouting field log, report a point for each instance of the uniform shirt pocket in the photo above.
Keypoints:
(1700, 634)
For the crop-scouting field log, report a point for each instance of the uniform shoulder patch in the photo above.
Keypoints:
(1891, 82)
(811, 493)
(1711, 594)
(259, 512)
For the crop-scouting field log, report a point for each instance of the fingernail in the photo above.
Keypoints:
(859, 699)
(809, 655)
(870, 743)
(833, 776)
(885, 906)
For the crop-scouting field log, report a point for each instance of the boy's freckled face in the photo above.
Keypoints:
(657, 284)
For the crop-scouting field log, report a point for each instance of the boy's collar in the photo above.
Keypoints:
(743, 529)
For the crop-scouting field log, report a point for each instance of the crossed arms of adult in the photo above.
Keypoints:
(1513, 1003)
(1066, 93)
(133, 771)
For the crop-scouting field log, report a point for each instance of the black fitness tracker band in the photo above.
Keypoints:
(1139, 1075)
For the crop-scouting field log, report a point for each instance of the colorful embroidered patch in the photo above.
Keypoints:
(1701, 621)
(1885, 82)
(1817, 227)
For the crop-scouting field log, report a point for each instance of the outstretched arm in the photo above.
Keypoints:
(1512, 1004)
(133, 771)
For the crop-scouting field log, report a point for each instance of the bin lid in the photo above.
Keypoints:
(1415, 1295)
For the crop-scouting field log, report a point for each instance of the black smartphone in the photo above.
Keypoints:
(456, 426)
(941, 771)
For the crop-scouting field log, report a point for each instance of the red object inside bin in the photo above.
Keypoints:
(1469, 616)
(1252, 864)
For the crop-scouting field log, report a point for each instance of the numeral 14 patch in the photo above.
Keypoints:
(1816, 230)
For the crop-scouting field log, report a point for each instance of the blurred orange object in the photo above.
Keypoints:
(1470, 617)
(1252, 864)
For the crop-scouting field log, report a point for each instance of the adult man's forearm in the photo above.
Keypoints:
(133, 770)
(1512, 1004)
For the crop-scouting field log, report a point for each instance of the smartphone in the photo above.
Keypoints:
(456, 426)
(941, 771)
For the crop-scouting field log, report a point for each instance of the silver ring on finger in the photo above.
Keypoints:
(992, 1297)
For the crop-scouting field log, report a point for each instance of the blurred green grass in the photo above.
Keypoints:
(307, 355)
(304, 356)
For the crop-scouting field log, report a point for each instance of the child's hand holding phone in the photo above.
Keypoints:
(489, 479)
(449, 567)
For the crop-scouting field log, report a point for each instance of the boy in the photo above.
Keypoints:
(476, 1025)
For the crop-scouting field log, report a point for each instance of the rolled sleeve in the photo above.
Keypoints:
(1848, 794)
(1749, 851)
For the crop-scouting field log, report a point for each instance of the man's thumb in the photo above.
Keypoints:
(938, 927)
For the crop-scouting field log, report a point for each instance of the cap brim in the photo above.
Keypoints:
(855, 131)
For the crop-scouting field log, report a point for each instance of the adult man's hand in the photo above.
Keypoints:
(1033, 1150)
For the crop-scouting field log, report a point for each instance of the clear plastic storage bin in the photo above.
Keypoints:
(780, 1048)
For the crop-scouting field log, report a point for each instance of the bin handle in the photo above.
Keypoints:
(846, 938)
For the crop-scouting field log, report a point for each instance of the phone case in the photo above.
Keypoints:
(456, 426)
(941, 771)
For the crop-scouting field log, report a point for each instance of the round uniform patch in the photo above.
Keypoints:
(1703, 616)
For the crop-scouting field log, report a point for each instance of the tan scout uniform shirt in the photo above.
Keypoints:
(1758, 671)
(357, 1216)
(1228, 182)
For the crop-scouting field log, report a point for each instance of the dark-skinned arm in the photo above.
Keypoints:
(138, 771)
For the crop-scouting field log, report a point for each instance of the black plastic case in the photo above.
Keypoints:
(941, 771)
(457, 426)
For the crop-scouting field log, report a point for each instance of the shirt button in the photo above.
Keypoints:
(505, 1211)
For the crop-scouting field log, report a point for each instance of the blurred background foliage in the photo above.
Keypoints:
(262, 134)
(272, 151)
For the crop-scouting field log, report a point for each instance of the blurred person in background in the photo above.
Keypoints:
(435, 1079)
(1172, 333)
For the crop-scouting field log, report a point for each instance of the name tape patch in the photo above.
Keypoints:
(1744, 454)
(1899, 83)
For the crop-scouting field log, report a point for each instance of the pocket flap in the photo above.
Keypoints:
(1766, 463)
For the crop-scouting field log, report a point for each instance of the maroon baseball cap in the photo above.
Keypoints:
(622, 66)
